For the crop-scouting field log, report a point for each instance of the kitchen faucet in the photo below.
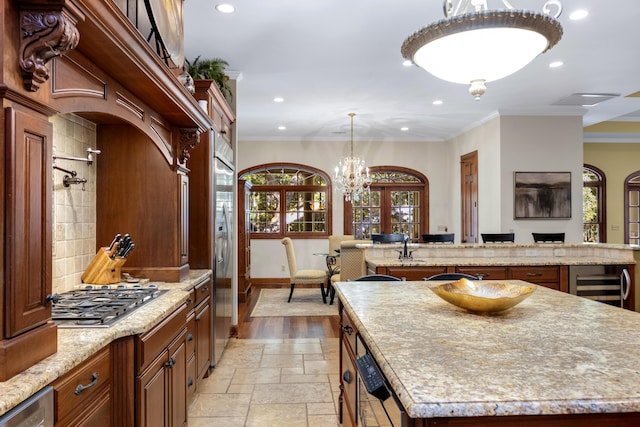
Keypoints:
(405, 253)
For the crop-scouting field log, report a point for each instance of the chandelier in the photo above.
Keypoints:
(352, 177)
(484, 45)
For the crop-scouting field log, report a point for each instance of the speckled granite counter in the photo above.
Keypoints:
(554, 353)
(499, 254)
(75, 345)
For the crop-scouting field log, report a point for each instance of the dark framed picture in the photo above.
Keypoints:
(542, 195)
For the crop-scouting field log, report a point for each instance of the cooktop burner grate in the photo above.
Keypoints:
(100, 306)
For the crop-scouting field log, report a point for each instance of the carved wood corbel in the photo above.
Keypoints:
(45, 35)
(189, 138)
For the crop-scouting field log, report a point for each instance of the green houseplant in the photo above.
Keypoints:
(211, 69)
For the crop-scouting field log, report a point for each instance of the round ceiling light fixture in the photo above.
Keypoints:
(485, 45)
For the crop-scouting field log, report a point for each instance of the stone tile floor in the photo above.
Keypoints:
(271, 382)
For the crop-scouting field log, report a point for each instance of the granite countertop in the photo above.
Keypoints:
(491, 261)
(75, 345)
(554, 353)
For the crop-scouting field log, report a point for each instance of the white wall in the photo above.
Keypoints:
(541, 144)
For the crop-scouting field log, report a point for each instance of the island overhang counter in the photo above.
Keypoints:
(554, 359)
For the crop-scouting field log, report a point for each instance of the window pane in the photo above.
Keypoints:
(306, 212)
(264, 213)
(405, 214)
(633, 198)
(366, 215)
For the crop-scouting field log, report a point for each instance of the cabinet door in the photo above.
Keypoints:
(152, 398)
(28, 230)
(348, 381)
(177, 370)
(548, 276)
(203, 338)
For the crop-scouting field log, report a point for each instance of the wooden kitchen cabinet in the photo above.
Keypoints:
(161, 374)
(552, 276)
(82, 397)
(414, 273)
(26, 335)
(203, 327)
(487, 273)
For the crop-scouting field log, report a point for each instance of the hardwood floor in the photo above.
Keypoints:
(283, 327)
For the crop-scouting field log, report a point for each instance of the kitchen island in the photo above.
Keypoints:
(554, 359)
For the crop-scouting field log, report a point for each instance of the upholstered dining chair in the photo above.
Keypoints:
(302, 277)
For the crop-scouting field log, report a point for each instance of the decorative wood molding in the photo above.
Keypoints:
(189, 138)
(45, 35)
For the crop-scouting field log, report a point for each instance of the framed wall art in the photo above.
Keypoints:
(542, 195)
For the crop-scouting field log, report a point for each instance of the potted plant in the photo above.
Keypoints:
(211, 69)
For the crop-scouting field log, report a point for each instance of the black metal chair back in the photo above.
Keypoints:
(497, 237)
(438, 238)
(377, 278)
(452, 276)
(548, 237)
(387, 238)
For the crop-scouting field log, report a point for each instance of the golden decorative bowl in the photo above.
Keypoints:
(483, 297)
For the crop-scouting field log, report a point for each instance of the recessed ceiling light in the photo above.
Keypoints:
(407, 63)
(437, 102)
(579, 14)
(404, 129)
(282, 128)
(225, 8)
(556, 64)
(278, 99)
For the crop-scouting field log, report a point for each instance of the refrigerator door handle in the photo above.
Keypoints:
(626, 284)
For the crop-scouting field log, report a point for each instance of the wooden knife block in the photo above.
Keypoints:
(103, 270)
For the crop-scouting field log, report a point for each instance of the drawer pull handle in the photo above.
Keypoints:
(189, 382)
(205, 289)
(170, 363)
(346, 376)
(534, 274)
(190, 337)
(189, 301)
(347, 329)
(80, 388)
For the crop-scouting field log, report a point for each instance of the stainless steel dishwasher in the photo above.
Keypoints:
(36, 411)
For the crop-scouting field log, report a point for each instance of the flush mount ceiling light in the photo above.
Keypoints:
(478, 47)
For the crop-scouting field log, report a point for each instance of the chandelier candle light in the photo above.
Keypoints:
(478, 47)
(352, 177)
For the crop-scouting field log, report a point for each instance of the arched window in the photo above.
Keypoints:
(398, 202)
(632, 209)
(288, 199)
(594, 205)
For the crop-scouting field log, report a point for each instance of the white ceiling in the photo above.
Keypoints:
(327, 58)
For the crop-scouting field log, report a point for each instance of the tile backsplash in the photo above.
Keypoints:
(74, 209)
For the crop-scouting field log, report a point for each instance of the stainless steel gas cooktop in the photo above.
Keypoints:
(98, 306)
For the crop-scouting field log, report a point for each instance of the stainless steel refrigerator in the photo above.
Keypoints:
(224, 179)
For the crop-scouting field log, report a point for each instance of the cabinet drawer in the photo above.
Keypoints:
(78, 390)
(536, 274)
(152, 343)
(487, 273)
(415, 273)
(348, 332)
(202, 291)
